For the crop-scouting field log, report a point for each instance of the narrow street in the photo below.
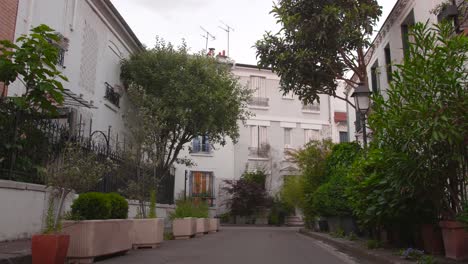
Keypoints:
(239, 245)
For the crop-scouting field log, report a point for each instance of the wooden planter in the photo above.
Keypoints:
(203, 226)
(455, 239)
(147, 233)
(49, 249)
(93, 238)
(213, 225)
(432, 239)
(184, 228)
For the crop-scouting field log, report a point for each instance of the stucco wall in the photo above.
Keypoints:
(23, 208)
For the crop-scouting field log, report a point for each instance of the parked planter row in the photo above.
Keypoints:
(185, 228)
(86, 240)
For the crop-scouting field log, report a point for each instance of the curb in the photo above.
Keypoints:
(350, 249)
(21, 259)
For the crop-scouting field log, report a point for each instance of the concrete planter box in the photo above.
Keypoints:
(184, 228)
(203, 226)
(213, 225)
(93, 238)
(147, 232)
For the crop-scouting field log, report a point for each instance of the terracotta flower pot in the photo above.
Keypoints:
(432, 239)
(49, 249)
(455, 240)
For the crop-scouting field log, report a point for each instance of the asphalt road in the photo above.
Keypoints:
(239, 245)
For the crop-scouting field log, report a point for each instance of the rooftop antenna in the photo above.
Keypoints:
(207, 36)
(228, 30)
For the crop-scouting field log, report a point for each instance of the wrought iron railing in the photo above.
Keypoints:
(259, 101)
(311, 107)
(112, 95)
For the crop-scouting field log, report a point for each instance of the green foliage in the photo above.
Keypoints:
(152, 212)
(119, 206)
(278, 212)
(373, 244)
(168, 236)
(189, 208)
(50, 227)
(257, 176)
(292, 192)
(33, 61)
(177, 96)
(426, 259)
(463, 216)
(92, 206)
(224, 218)
(312, 162)
(421, 129)
(352, 236)
(339, 233)
(319, 41)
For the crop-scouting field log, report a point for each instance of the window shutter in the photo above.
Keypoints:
(254, 136)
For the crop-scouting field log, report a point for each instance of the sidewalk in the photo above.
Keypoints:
(359, 250)
(15, 252)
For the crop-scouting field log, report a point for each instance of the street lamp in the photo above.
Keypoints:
(361, 97)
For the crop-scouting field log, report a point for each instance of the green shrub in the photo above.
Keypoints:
(351, 236)
(92, 206)
(119, 206)
(339, 233)
(463, 217)
(373, 244)
(152, 211)
(278, 212)
(200, 210)
(184, 208)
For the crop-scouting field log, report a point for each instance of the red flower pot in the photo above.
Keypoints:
(432, 239)
(455, 240)
(49, 249)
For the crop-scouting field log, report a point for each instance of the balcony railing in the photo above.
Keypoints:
(201, 148)
(111, 95)
(311, 107)
(261, 152)
(259, 101)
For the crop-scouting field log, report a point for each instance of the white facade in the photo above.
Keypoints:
(99, 39)
(278, 123)
(388, 46)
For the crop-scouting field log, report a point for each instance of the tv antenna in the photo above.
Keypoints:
(228, 30)
(207, 36)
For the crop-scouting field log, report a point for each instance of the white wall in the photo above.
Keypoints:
(23, 208)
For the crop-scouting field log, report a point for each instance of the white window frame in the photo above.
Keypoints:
(287, 131)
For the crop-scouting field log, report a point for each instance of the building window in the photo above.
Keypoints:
(287, 138)
(202, 186)
(388, 62)
(344, 137)
(258, 85)
(201, 144)
(405, 31)
(259, 141)
(310, 135)
(375, 77)
(111, 95)
(314, 107)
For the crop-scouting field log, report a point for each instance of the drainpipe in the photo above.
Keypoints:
(330, 117)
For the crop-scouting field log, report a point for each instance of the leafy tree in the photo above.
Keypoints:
(292, 191)
(177, 96)
(312, 163)
(33, 62)
(319, 42)
(424, 119)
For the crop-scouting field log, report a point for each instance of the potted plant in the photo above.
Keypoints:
(455, 235)
(51, 246)
(99, 226)
(148, 232)
(73, 169)
(184, 225)
(201, 213)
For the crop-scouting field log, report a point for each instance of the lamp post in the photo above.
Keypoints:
(361, 97)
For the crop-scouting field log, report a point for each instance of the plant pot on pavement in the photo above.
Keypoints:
(455, 238)
(432, 239)
(49, 249)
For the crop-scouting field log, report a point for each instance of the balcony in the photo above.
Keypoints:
(201, 148)
(259, 101)
(260, 152)
(311, 108)
(111, 95)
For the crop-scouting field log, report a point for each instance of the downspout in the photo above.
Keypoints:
(332, 127)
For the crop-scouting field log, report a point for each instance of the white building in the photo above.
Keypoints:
(98, 39)
(280, 122)
(389, 46)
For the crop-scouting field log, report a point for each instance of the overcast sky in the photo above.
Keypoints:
(175, 20)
